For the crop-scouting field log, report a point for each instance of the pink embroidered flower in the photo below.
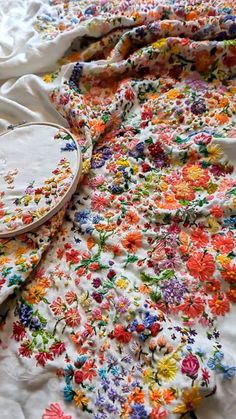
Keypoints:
(99, 202)
(57, 306)
(70, 297)
(202, 138)
(190, 366)
(72, 317)
(54, 411)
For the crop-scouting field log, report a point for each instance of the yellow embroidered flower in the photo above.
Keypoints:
(124, 163)
(4, 260)
(211, 187)
(80, 399)
(215, 153)
(191, 400)
(86, 166)
(135, 169)
(27, 199)
(147, 376)
(223, 260)
(84, 300)
(48, 78)
(172, 94)
(122, 283)
(163, 186)
(160, 43)
(213, 225)
(234, 203)
(166, 369)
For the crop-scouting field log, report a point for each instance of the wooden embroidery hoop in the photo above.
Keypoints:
(65, 198)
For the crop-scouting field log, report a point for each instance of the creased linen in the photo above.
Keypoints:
(128, 306)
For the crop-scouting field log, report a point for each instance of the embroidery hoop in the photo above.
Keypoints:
(64, 198)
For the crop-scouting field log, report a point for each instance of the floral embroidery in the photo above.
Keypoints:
(126, 302)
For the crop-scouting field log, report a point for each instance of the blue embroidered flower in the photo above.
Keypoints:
(228, 372)
(138, 412)
(68, 393)
(82, 217)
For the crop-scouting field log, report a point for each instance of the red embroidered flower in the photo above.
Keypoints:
(121, 334)
(229, 275)
(43, 357)
(72, 256)
(192, 307)
(224, 244)
(199, 238)
(18, 331)
(57, 348)
(25, 349)
(79, 377)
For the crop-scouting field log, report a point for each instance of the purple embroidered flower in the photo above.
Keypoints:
(75, 76)
(198, 107)
(138, 151)
(25, 312)
(197, 84)
(173, 291)
(122, 304)
(100, 157)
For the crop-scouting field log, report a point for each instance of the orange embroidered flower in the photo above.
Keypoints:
(132, 241)
(223, 102)
(201, 266)
(203, 60)
(156, 396)
(168, 395)
(132, 217)
(192, 307)
(183, 190)
(196, 175)
(219, 304)
(97, 126)
(137, 396)
(231, 294)
(222, 118)
(35, 294)
(229, 275)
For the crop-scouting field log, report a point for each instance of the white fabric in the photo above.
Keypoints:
(24, 55)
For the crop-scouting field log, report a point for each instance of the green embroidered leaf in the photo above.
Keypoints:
(155, 296)
(149, 141)
(184, 202)
(232, 192)
(167, 274)
(202, 202)
(148, 278)
(180, 140)
(131, 259)
(105, 118)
